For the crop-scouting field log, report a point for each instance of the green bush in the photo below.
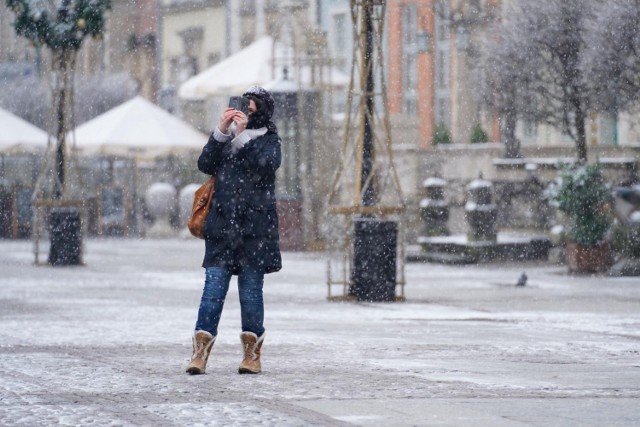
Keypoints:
(581, 193)
(5, 189)
(478, 135)
(441, 134)
(625, 239)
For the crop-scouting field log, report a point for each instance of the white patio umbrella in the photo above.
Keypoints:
(17, 136)
(257, 64)
(137, 128)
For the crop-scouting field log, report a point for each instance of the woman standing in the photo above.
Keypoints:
(241, 231)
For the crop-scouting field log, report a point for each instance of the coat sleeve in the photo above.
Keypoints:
(264, 159)
(211, 156)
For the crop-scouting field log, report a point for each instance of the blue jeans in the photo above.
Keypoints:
(216, 285)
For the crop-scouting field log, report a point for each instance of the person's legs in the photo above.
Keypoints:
(216, 285)
(250, 282)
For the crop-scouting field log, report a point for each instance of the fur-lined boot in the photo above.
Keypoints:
(202, 343)
(252, 346)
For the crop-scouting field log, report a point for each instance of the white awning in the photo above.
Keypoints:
(259, 63)
(137, 128)
(17, 136)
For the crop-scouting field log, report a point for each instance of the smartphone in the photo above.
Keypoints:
(239, 103)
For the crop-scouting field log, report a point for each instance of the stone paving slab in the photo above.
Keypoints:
(505, 412)
(106, 344)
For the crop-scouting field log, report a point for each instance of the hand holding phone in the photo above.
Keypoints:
(239, 103)
(226, 118)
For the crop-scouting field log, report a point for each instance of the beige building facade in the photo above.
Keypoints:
(193, 39)
(12, 47)
(430, 76)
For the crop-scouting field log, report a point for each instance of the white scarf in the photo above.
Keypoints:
(245, 136)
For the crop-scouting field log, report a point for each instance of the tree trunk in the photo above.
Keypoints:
(581, 136)
(63, 63)
(508, 131)
(66, 222)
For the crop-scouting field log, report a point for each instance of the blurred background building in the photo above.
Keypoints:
(153, 47)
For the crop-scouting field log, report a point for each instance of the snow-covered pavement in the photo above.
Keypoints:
(106, 345)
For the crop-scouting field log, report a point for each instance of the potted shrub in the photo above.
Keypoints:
(441, 134)
(582, 195)
(625, 242)
(478, 135)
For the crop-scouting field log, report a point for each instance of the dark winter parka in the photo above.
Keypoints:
(242, 226)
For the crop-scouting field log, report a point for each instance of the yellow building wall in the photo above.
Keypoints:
(212, 22)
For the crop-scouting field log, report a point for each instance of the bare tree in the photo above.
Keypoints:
(501, 84)
(611, 59)
(536, 67)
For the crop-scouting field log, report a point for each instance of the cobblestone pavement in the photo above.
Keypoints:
(106, 344)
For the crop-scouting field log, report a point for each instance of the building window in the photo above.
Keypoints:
(442, 21)
(442, 110)
(530, 129)
(442, 62)
(213, 58)
(442, 69)
(341, 31)
(247, 8)
(182, 68)
(409, 59)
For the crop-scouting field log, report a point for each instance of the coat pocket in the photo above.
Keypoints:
(213, 227)
(261, 222)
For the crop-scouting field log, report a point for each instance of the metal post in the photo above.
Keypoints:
(370, 251)
(374, 244)
(367, 189)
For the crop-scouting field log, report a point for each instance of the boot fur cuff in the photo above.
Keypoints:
(258, 338)
(204, 332)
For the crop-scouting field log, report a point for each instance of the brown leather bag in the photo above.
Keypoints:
(201, 207)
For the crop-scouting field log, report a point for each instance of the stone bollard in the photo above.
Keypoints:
(480, 211)
(434, 209)
(160, 199)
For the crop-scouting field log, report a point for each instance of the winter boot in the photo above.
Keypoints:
(202, 343)
(252, 346)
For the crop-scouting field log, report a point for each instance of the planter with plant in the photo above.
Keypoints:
(625, 240)
(441, 135)
(582, 195)
(478, 135)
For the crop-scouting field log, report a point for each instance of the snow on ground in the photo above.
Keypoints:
(107, 343)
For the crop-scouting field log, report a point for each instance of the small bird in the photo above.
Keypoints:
(522, 280)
